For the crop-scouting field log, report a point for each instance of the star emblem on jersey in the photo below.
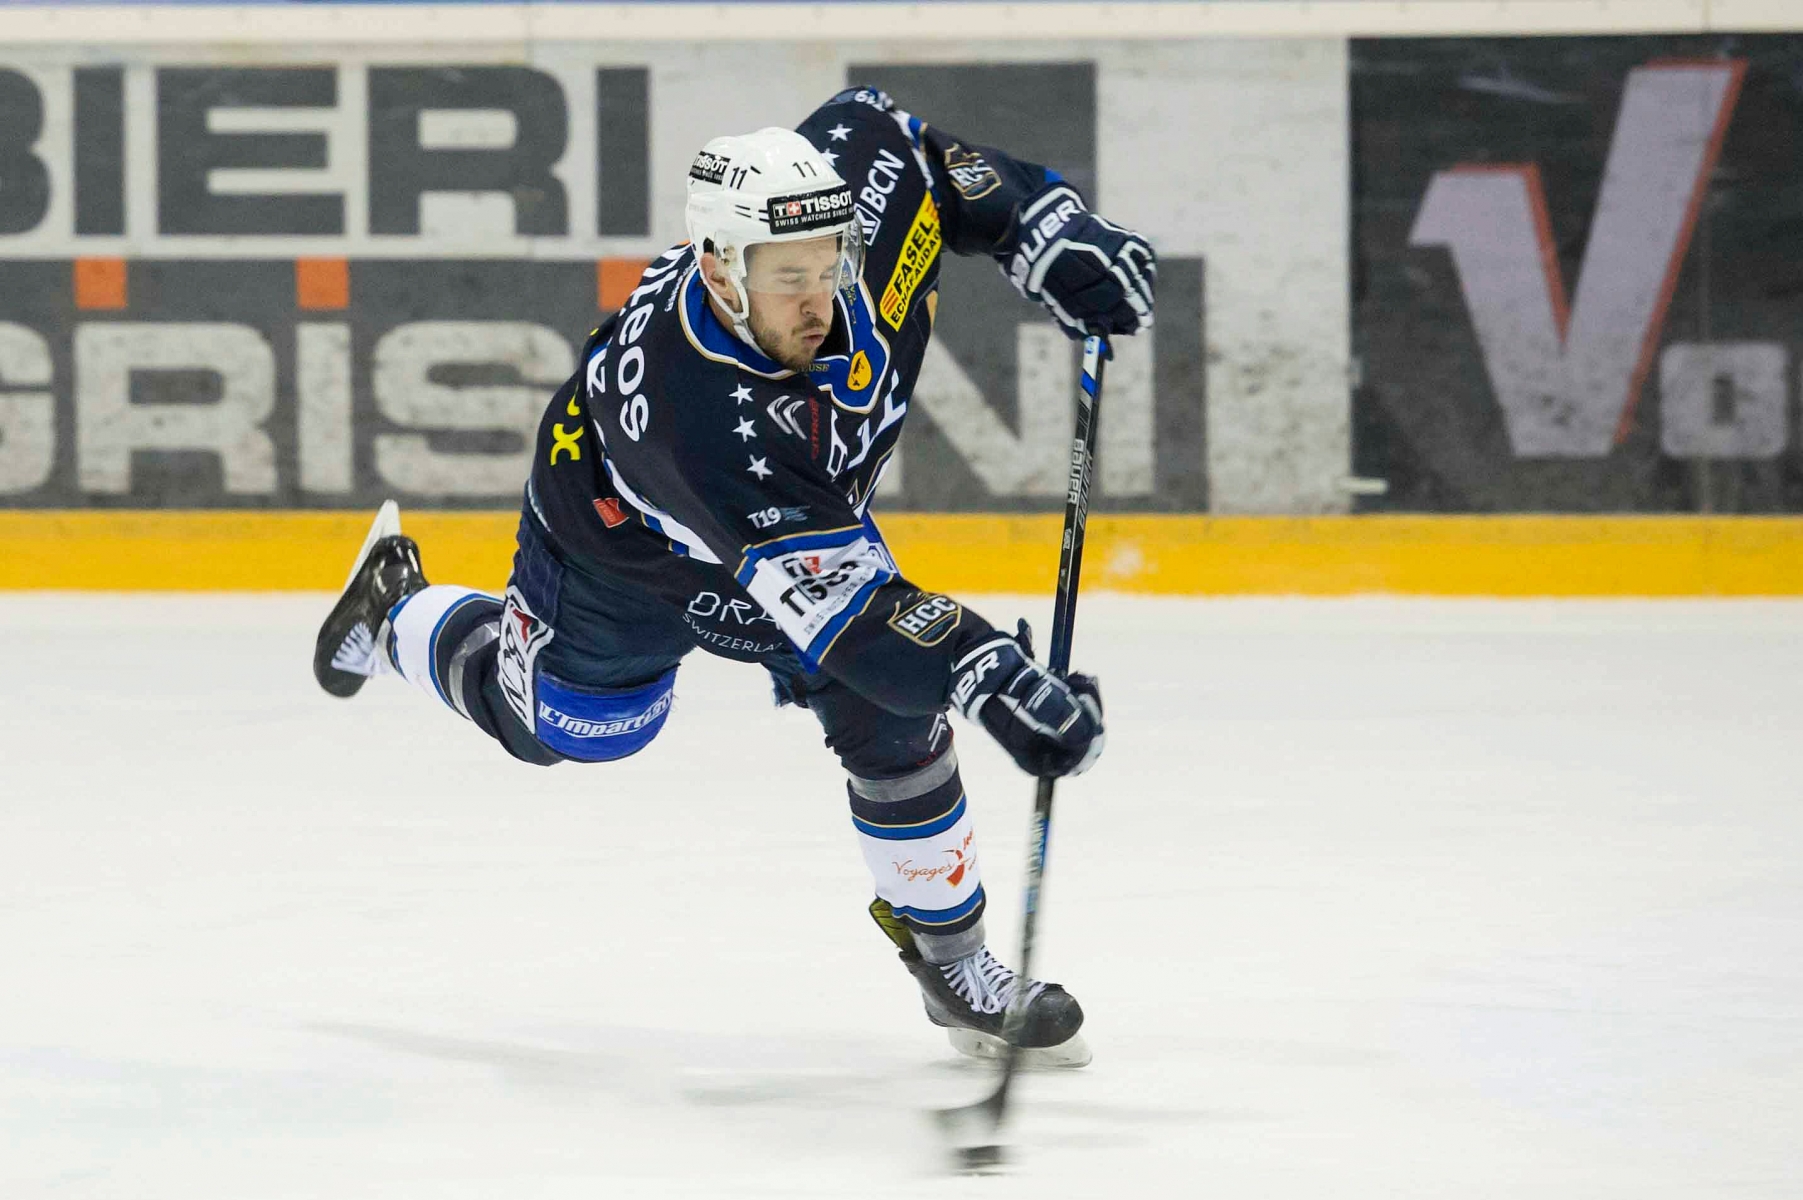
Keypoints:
(832, 160)
(741, 394)
(761, 468)
(744, 429)
(839, 132)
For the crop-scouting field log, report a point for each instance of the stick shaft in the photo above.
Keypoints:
(1064, 620)
(1064, 608)
(1076, 502)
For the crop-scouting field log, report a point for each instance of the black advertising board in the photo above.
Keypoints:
(1578, 273)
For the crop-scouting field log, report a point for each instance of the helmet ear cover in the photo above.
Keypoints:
(736, 301)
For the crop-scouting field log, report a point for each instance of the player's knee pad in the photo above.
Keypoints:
(919, 844)
(871, 741)
(486, 703)
(569, 721)
(592, 724)
(573, 721)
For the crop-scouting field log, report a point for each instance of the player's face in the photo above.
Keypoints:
(791, 289)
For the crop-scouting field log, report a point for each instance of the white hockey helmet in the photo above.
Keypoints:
(768, 186)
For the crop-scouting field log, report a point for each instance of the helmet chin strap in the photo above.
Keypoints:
(741, 314)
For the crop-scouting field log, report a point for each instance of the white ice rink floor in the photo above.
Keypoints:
(1366, 899)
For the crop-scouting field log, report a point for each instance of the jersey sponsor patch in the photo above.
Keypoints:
(582, 727)
(886, 172)
(971, 173)
(810, 592)
(732, 627)
(766, 518)
(918, 251)
(928, 621)
(523, 635)
(601, 724)
(812, 210)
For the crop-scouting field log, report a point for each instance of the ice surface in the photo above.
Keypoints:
(1367, 899)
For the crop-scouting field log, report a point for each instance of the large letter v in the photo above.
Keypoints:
(1568, 378)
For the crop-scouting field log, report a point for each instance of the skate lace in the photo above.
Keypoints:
(984, 983)
(357, 653)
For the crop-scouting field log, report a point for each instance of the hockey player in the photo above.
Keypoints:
(704, 482)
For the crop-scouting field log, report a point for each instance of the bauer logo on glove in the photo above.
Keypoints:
(1091, 274)
(1049, 726)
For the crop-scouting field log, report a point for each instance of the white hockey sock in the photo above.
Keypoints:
(414, 628)
(917, 839)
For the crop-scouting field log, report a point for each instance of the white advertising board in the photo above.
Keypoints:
(474, 192)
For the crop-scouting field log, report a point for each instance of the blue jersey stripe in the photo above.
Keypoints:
(823, 641)
(830, 539)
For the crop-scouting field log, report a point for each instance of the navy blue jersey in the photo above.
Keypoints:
(686, 463)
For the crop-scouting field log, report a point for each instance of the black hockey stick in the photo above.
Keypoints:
(974, 1129)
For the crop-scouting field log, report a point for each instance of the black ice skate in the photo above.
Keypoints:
(386, 572)
(969, 999)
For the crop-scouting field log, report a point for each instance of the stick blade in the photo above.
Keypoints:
(982, 1160)
(973, 1139)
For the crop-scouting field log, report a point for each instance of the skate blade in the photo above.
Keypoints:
(386, 524)
(1071, 1053)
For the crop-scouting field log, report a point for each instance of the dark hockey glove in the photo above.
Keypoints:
(1089, 273)
(1050, 726)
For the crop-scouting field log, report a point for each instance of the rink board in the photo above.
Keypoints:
(209, 375)
(1177, 555)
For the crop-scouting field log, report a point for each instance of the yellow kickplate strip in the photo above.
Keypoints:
(1176, 555)
(1336, 556)
(234, 551)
